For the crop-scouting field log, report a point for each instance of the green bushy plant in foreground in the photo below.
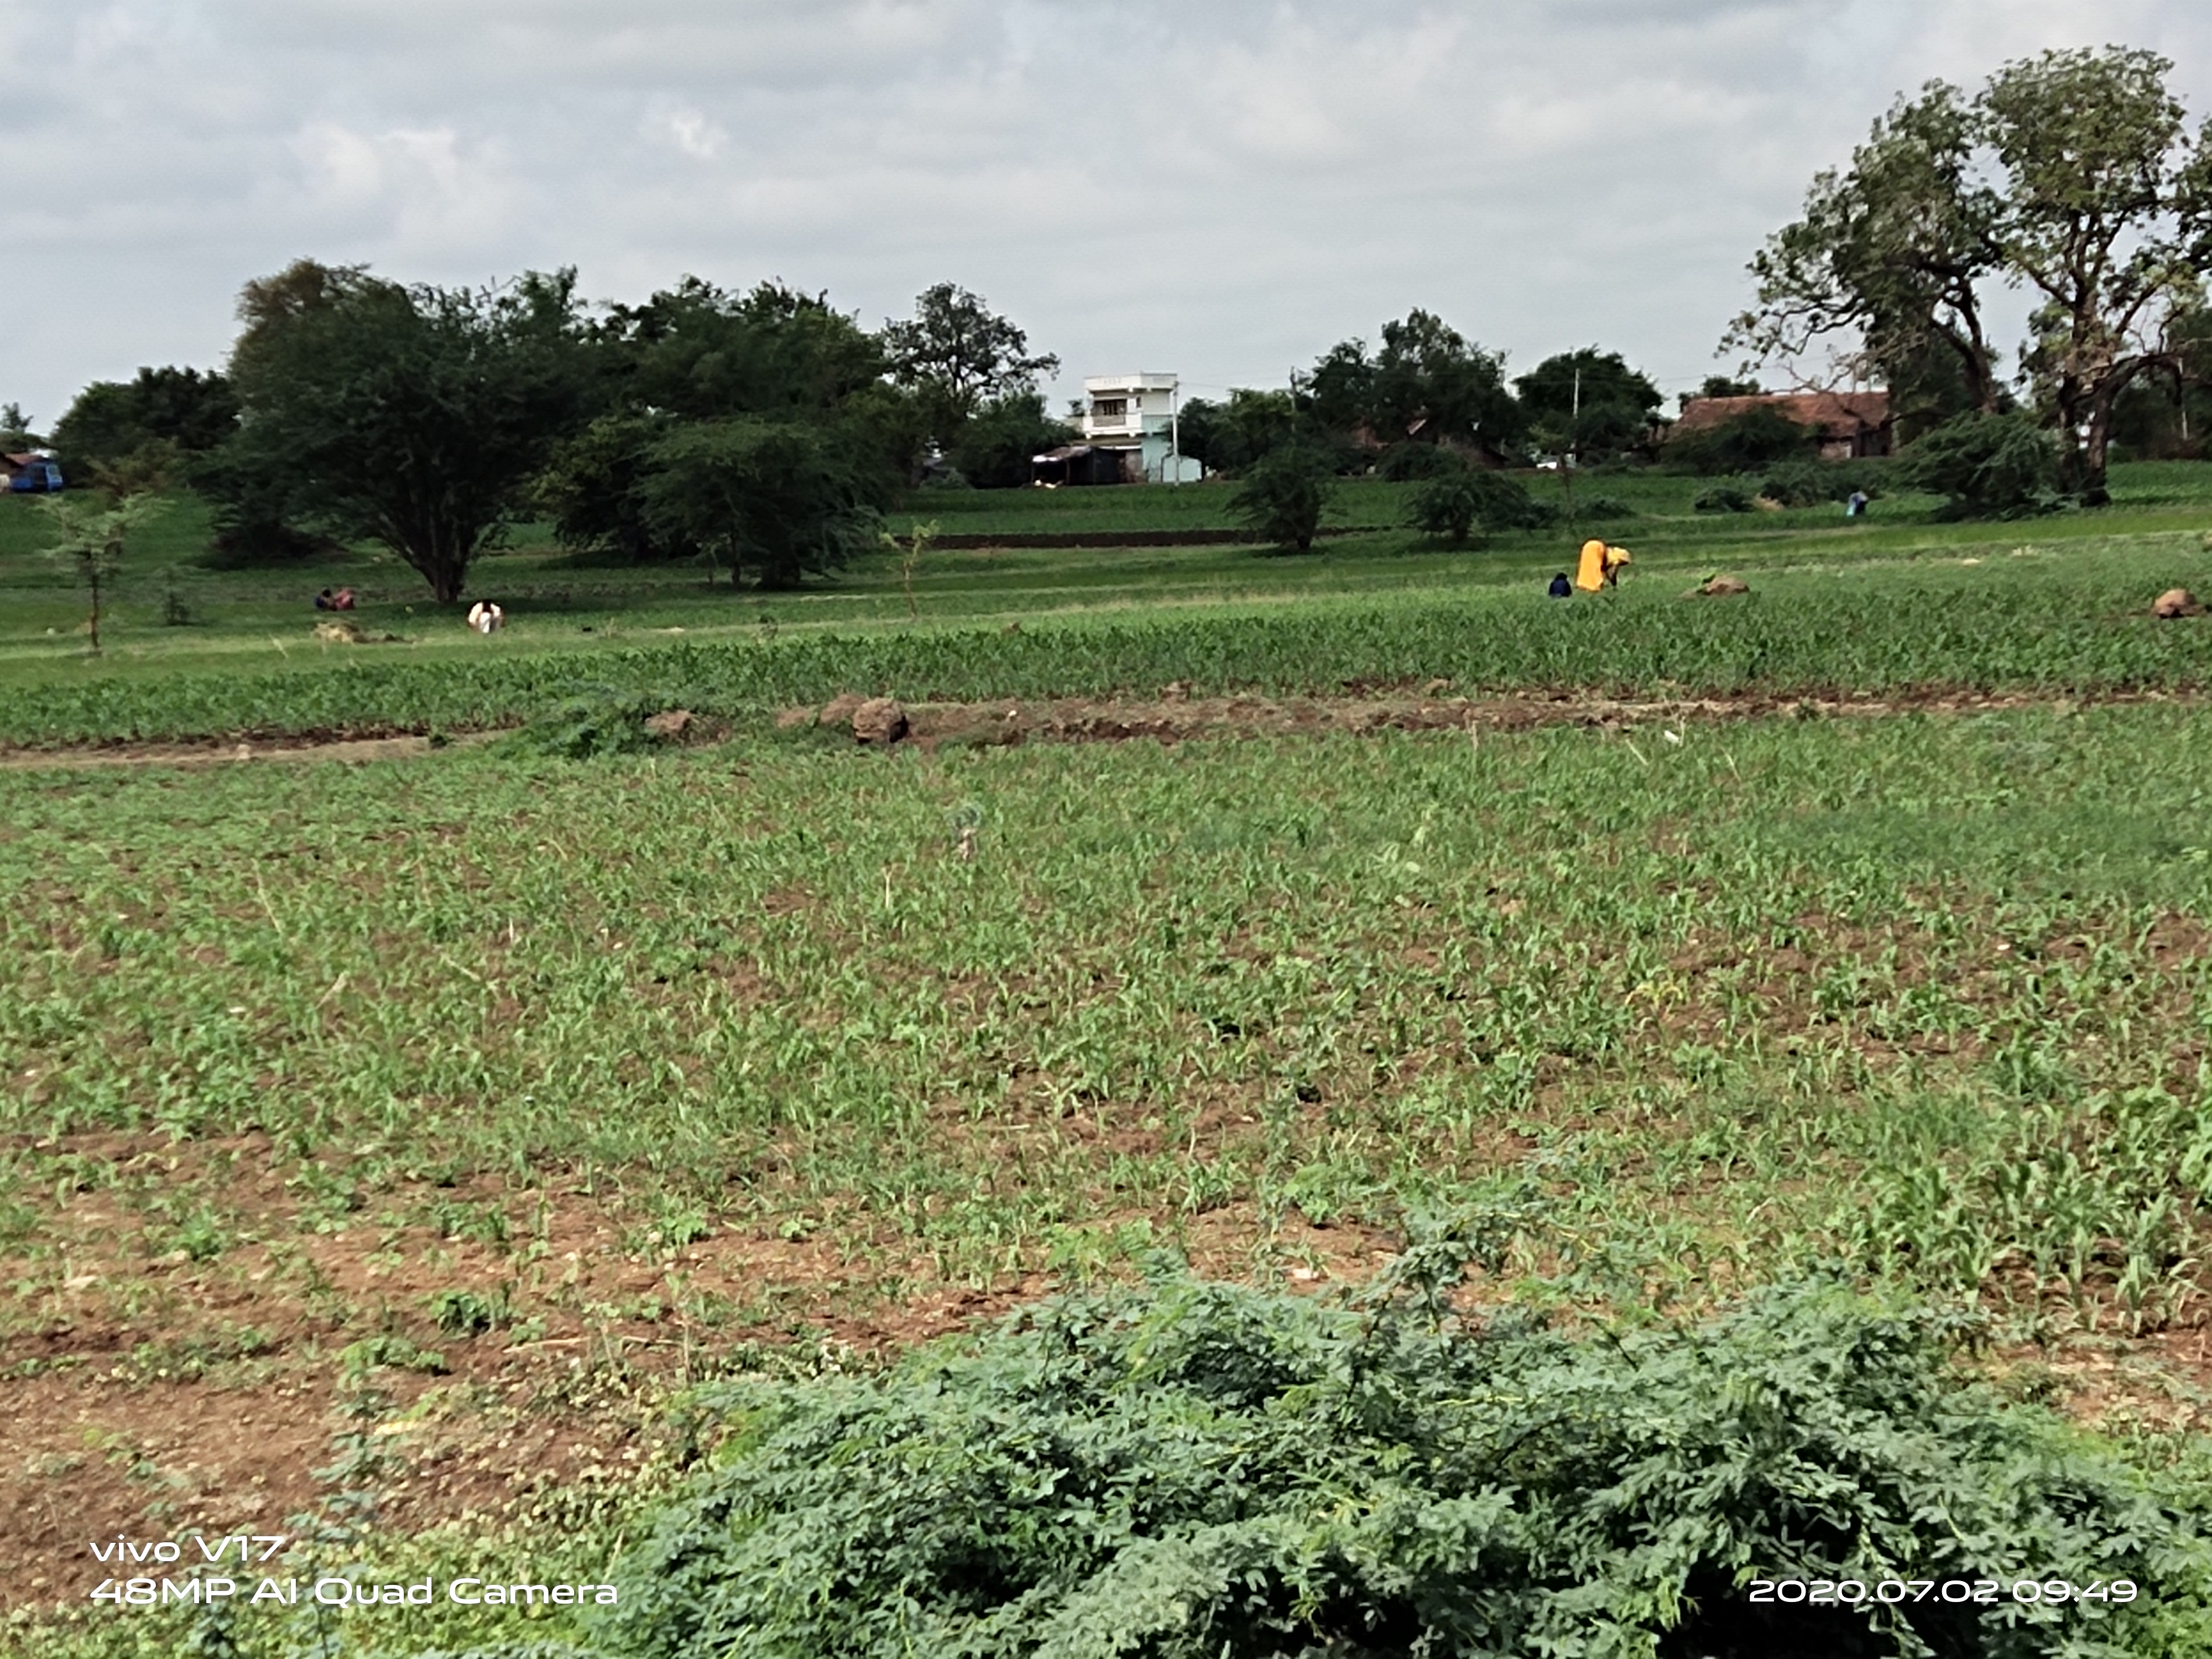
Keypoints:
(1202, 1469)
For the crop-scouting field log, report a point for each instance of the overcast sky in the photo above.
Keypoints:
(1215, 188)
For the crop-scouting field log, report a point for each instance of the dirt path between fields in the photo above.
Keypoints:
(1174, 715)
(225, 752)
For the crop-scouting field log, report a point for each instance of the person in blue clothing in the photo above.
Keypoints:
(1561, 587)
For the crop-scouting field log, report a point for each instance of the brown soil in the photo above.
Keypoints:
(150, 1395)
(1175, 716)
(215, 752)
(1171, 716)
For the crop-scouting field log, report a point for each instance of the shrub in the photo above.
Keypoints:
(1721, 498)
(1811, 483)
(1749, 442)
(1285, 493)
(1601, 508)
(993, 447)
(598, 719)
(1452, 504)
(1405, 462)
(1202, 1469)
(1989, 466)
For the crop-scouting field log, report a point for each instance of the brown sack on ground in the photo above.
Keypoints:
(840, 709)
(673, 723)
(1721, 588)
(2176, 602)
(880, 720)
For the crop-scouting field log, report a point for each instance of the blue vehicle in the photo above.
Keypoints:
(34, 475)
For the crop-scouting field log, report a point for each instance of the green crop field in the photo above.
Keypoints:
(1898, 598)
(408, 1151)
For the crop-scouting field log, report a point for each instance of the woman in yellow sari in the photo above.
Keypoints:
(1600, 565)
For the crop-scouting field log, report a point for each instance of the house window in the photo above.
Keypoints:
(1109, 409)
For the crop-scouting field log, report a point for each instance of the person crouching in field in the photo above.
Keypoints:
(486, 617)
(1600, 565)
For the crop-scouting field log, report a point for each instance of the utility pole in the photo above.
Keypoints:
(1174, 428)
(1567, 460)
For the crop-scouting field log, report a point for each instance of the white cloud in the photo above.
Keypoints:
(685, 131)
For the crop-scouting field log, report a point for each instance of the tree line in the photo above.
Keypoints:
(762, 431)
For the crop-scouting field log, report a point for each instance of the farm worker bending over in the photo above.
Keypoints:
(484, 617)
(1600, 565)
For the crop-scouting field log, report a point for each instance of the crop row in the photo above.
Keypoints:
(2059, 633)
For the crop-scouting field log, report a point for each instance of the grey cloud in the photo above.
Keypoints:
(1221, 189)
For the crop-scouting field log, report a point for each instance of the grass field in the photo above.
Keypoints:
(394, 1144)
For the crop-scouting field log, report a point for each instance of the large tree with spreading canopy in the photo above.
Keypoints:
(2072, 175)
(410, 416)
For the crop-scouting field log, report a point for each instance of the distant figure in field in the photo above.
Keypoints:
(343, 600)
(486, 617)
(1857, 506)
(326, 600)
(1600, 565)
(1561, 587)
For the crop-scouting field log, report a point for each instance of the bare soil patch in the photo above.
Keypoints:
(1175, 715)
(1171, 716)
(224, 752)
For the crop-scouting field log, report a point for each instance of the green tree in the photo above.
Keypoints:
(1427, 382)
(15, 434)
(780, 498)
(697, 353)
(1229, 437)
(955, 353)
(2165, 412)
(1889, 258)
(412, 416)
(1721, 385)
(251, 500)
(148, 420)
(1453, 503)
(702, 352)
(1988, 466)
(994, 449)
(1588, 403)
(1748, 442)
(2072, 174)
(90, 539)
(2105, 212)
(590, 490)
(1284, 494)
